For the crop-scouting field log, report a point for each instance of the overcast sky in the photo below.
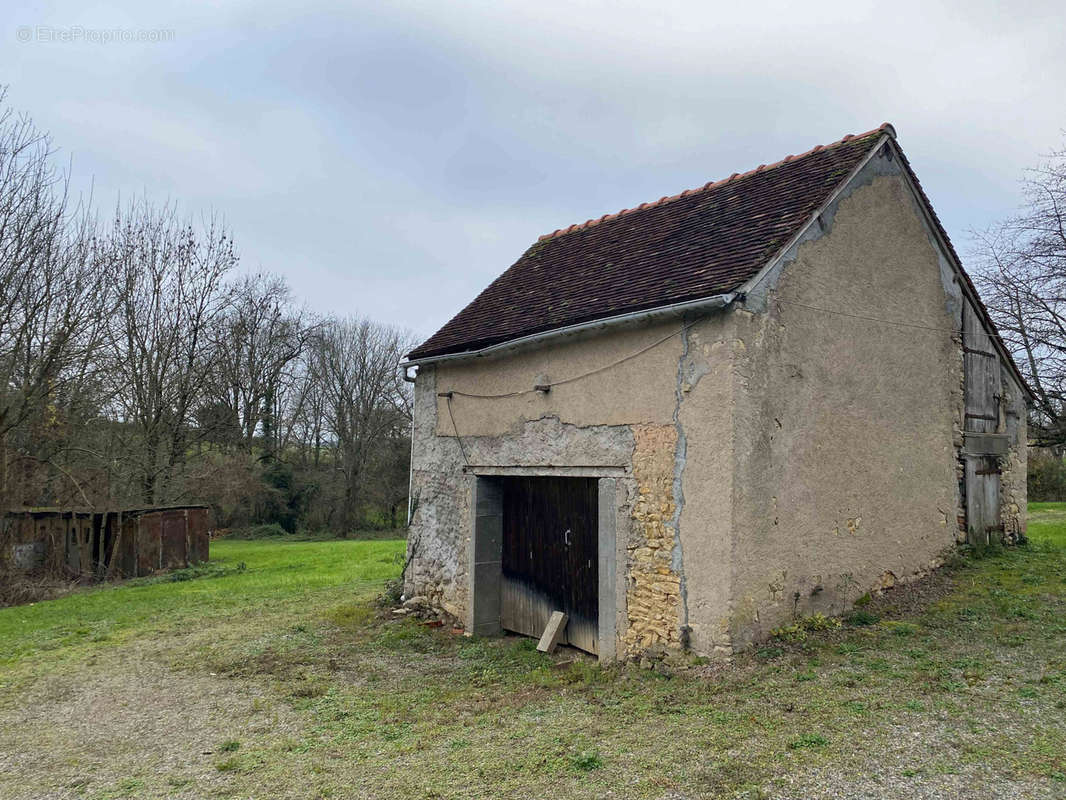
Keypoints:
(390, 159)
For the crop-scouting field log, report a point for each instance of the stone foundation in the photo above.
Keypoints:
(1013, 491)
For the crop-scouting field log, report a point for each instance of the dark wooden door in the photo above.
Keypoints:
(550, 558)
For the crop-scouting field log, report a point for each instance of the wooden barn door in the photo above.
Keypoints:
(983, 524)
(983, 391)
(550, 557)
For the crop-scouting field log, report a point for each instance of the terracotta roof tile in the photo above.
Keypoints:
(688, 246)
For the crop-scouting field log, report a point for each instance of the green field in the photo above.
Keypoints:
(265, 578)
(270, 674)
(1047, 523)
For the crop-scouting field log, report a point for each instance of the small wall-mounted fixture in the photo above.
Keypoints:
(542, 387)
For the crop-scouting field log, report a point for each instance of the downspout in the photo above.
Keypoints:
(411, 461)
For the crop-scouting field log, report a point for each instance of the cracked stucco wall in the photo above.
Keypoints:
(624, 421)
(705, 522)
(845, 427)
(441, 496)
(441, 527)
(639, 391)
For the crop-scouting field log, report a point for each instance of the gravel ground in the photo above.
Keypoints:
(126, 717)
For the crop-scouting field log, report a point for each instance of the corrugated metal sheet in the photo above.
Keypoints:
(109, 544)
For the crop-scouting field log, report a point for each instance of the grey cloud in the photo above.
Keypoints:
(391, 159)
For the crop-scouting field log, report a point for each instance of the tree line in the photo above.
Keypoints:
(1022, 278)
(139, 366)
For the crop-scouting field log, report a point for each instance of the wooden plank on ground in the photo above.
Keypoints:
(553, 632)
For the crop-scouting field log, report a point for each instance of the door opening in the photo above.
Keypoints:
(550, 557)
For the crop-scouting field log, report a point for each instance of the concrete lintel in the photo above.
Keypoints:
(549, 470)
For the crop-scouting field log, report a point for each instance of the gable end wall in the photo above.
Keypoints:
(848, 430)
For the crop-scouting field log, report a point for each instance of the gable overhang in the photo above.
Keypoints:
(966, 286)
(583, 329)
(752, 285)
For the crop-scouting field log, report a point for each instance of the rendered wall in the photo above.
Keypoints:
(846, 428)
(625, 422)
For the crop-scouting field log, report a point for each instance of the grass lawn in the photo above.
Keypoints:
(278, 679)
(1047, 523)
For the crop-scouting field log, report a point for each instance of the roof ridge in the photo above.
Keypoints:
(884, 127)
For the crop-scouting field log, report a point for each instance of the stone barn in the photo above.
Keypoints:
(689, 422)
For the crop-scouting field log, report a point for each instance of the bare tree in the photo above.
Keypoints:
(1022, 277)
(52, 302)
(257, 347)
(355, 362)
(134, 369)
(171, 295)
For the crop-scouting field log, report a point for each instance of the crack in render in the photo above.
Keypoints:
(677, 561)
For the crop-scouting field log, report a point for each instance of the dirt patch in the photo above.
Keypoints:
(917, 760)
(132, 722)
(912, 598)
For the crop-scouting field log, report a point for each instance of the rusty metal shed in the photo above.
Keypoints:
(117, 543)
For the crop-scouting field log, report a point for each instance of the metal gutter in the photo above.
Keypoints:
(703, 304)
(716, 301)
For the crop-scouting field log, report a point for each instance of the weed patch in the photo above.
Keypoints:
(798, 630)
(862, 617)
(807, 741)
(586, 761)
(206, 570)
